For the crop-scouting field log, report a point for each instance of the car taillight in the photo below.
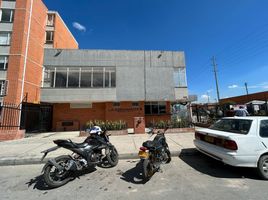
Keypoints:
(143, 148)
(230, 144)
(197, 135)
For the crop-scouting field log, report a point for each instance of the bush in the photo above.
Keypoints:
(107, 125)
(180, 123)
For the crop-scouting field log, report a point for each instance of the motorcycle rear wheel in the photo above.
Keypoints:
(148, 170)
(55, 178)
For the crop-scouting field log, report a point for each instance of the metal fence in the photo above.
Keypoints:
(9, 116)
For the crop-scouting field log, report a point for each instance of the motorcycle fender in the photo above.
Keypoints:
(54, 163)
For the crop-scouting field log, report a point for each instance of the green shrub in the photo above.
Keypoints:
(175, 123)
(107, 125)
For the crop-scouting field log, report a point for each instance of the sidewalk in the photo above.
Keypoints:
(28, 150)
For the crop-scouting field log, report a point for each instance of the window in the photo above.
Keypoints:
(264, 128)
(85, 81)
(50, 19)
(3, 62)
(3, 87)
(49, 37)
(107, 76)
(162, 107)
(75, 77)
(61, 79)
(116, 104)
(179, 76)
(113, 79)
(6, 15)
(240, 126)
(48, 78)
(135, 104)
(155, 108)
(97, 78)
(5, 38)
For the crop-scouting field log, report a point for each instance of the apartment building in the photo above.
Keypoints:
(112, 85)
(52, 85)
(26, 29)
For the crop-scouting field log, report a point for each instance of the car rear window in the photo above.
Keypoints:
(264, 128)
(240, 126)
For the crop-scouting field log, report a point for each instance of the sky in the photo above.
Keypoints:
(234, 31)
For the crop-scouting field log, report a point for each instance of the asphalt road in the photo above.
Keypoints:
(187, 177)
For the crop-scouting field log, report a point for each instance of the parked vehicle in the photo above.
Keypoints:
(95, 150)
(154, 153)
(237, 141)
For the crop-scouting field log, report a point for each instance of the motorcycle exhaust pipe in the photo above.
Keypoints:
(72, 166)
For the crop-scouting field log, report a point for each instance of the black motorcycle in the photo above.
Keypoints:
(154, 153)
(95, 150)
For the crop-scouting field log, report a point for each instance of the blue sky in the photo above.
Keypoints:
(235, 31)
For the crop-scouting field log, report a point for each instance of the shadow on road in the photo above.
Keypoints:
(134, 175)
(39, 183)
(212, 167)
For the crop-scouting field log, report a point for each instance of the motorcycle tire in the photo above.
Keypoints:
(169, 156)
(112, 156)
(55, 178)
(147, 170)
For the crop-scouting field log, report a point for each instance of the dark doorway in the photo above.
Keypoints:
(36, 118)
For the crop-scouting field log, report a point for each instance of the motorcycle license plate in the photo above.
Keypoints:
(143, 154)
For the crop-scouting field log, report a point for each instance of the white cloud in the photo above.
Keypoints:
(204, 96)
(263, 85)
(210, 90)
(232, 86)
(79, 27)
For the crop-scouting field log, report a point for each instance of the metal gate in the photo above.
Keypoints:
(36, 118)
(9, 116)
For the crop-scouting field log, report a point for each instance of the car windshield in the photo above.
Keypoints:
(240, 126)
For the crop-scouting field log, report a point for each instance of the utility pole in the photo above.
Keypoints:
(208, 96)
(216, 78)
(246, 86)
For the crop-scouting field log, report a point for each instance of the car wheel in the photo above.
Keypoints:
(263, 167)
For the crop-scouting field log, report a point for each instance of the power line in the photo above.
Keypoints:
(253, 35)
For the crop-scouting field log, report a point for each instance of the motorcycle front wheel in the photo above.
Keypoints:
(54, 177)
(112, 156)
(168, 156)
(148, 170)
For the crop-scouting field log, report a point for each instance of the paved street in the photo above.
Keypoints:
(189, 177)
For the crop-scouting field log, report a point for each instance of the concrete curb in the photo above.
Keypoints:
(11, 161)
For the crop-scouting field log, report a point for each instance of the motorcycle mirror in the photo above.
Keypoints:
(150, 130)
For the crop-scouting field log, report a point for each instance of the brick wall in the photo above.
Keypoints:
(63, 112)
(104, 111)
(63, 39)
(125, 112)
(34, 61)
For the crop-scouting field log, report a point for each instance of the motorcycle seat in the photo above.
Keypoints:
(151, 144)
(80, 145)
(70, 144)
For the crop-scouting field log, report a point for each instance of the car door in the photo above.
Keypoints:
(263, 131)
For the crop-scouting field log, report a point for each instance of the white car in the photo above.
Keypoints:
(237, 141)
